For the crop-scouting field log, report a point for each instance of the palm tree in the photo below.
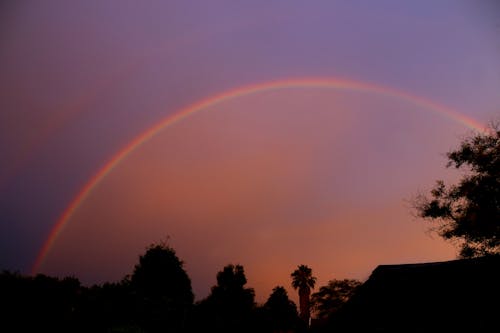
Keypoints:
(303, 280)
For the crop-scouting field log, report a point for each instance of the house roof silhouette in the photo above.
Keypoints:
(452, 296)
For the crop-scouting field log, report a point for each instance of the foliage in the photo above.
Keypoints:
(156, 297)
(164, 289)
(45, 303)
(281, 311)
(160, 273)
(330, 298)
(229, 307)
(303, 280)
(469, 212)
(230, 291)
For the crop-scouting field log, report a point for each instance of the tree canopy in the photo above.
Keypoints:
(164, 287)
(469, 212)
(160, 273)
(229, 306)
(281, 311)
(330, 298)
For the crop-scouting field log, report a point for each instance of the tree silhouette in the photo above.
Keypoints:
(330, 298)
(469, 212)
(40, 303)
(303, 280)
(110, 307)
(229, 306)
(281, 311)
(164, 289)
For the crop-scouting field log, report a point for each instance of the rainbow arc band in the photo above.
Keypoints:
(309, 82)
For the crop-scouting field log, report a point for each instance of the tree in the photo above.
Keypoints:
(164, 289)
(229, 306)
(469, 212)
(281, 311)
(303, 280)
(40, 303)
(330, 298)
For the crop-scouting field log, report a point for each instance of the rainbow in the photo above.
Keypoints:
(330, 83)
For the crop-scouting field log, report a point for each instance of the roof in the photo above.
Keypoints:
(459, 295)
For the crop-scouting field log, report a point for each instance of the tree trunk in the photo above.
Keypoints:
(304, 305)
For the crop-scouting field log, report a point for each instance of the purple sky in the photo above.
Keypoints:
(301, 170)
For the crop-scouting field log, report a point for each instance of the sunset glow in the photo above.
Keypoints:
(266, 134)
(318, 83)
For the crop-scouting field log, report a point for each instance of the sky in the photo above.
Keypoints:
(255, 171)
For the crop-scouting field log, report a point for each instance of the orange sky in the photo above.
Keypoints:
(269, 181)
(312, 176)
